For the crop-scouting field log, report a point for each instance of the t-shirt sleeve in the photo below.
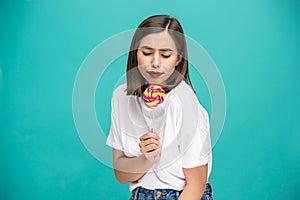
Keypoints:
(196, 148)
(114, 136)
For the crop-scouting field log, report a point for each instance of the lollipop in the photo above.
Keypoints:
(153, 96)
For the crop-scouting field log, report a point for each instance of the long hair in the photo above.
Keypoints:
(136, 83)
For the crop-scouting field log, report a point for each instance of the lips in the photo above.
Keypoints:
(154, 74)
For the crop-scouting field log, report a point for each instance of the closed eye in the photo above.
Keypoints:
(146, 53)
(165, 56)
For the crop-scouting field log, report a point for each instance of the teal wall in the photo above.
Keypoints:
(254, 43)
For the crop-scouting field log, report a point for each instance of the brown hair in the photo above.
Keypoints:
(136, 83)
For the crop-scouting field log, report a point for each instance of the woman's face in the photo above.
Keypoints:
(157, 57)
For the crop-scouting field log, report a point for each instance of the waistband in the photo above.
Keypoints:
(165, 192)
(155, 193)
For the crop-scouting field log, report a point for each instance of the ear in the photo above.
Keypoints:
(179, 58)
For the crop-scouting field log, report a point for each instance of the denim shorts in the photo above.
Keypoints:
(141, 193)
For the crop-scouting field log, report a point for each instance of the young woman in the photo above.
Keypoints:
(168, 157)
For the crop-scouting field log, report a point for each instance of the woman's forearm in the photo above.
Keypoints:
(131, 169)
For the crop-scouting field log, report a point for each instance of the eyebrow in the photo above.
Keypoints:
(150, 48)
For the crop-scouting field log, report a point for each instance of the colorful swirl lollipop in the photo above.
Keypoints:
(154, 95)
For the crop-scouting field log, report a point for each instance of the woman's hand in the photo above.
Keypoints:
(150, 146)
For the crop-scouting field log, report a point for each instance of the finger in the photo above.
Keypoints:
(144, 147)
(149, 148)
(156, 137)
(154, 152)
(149, 135)
(149, 141)
(153, 155)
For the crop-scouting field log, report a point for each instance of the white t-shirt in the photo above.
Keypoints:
(182, 124)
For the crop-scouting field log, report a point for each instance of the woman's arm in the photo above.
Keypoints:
(132, 169)
(129, 169)
(195, 183)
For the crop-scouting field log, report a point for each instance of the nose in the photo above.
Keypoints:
(155, 60)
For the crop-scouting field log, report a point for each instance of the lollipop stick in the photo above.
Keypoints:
(153, 119)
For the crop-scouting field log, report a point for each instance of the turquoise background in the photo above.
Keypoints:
(255, 44)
